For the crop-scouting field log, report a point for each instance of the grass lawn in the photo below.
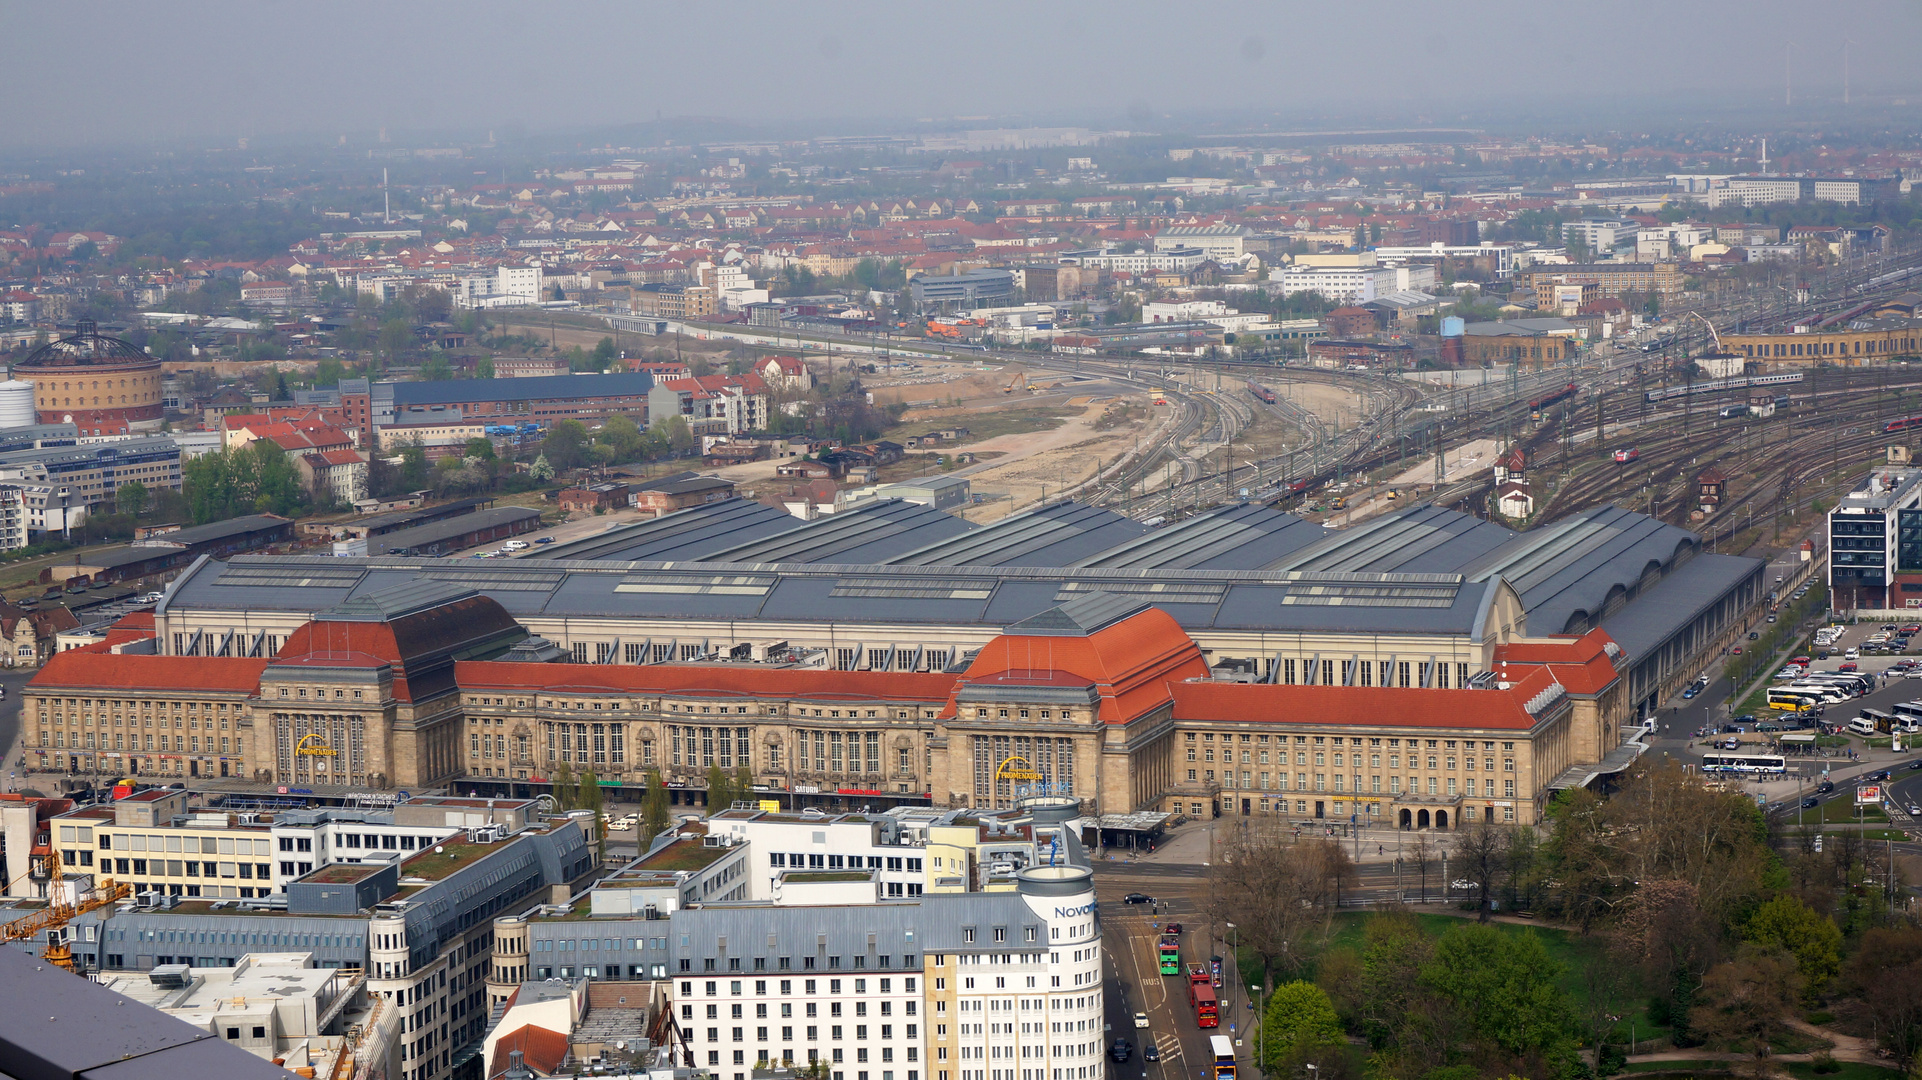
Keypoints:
(1010, 421)
(1843, 811)
(1851, 1070)
(1574, 952)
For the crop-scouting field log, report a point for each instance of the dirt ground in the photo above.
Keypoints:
(1043, 464)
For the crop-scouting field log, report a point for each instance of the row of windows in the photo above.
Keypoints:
(797, 861)
(1279, 782)
(187, 744)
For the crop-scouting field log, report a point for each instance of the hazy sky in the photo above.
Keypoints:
(117, 70)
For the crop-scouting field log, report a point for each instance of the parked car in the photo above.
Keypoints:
(1754, 636)
(1852, 654)
(543, 539)
(1691, 691)
(516, 545)
(1850, 666)
(1461, 883)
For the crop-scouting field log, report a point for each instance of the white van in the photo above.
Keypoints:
(515, 545)
(1862, 725)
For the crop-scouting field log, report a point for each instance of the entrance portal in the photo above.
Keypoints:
(1441, 819)
(1421, 819)
(1407, 819)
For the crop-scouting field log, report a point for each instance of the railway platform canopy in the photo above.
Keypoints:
(1614, 763)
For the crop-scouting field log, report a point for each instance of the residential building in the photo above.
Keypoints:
(1600, 235)
(15, 519)
(1343, 284)
(333, 476)
(1177, 260)
(679, 491)
(1662, 279)
(279, 1006)
(670, 301)
(711, 404)
(788, 374)
(521, 367)
(419, 926)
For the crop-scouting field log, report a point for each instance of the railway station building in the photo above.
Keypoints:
(1858, 342)
(1129, 666)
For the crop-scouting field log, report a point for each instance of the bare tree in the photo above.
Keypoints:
(1482, 849)
(1278, 894)
(1419, 854)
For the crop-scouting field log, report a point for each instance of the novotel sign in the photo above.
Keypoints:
(1070, 912)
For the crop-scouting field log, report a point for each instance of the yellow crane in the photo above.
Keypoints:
(58, 913)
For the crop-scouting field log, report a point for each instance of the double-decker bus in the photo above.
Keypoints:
(1222, 1049)
(1169, 953)
(1201, 996)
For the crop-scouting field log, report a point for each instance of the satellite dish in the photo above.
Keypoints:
(620, 1045)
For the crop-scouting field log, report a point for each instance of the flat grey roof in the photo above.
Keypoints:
(1243, 537)
(1057, 535)
(869, 533)
(1645, 623)
(534, 388)
(435, 532)
(684, 534)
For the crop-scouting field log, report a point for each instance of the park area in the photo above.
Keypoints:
(1669, 930)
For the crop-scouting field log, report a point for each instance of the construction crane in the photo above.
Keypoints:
(1712, 332)
(58, 913)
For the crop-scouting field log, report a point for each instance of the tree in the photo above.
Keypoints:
(654, 809)
(743, 785)
(329, 372)
(1481, 850)
(480, 449)
(436, 369)
(484, 368)
(605, 354)
(720, 790)
(1299, 1025)
(1742, 1004)
(566, 445)
(565, 789)
(1507, 987)
(396, 337)
(680, 437)
(1788, 924)
(413, 466)
(1887, 972)
(541, 470)
(1278, 894)
(622, 438)
(130, 498)
(591, 798)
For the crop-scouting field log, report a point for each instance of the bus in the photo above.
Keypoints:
(1884, 723)
(1222, 1049)
(1784, 697)
(1757, 764)
(1201, 997)
(1169, 952)
(1909, 712)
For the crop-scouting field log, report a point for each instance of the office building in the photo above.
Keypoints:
(1875, 544)
(91, 475)
(543, 399)
(971, 289)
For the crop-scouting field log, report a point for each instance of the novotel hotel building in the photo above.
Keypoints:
(820, 967)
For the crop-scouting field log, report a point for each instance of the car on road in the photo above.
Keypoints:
(1915, 765)
(1141, 1020)
(1914, 810)
(1810, 802)
(1771, 618)
(543, 539)
(515, 545)
(1461, 883)
(1745, 718)
(1172, 928)
(1137, 898)
(1151, 1053)
(1852, 654)
(1736, 650)
(1122, 1050)
(1848, 666)
(1691, 691)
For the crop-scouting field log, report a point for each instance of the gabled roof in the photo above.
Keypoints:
(1126, 653)
(541, 1050)
(127, 671)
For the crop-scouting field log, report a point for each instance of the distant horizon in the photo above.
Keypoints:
(117, 74)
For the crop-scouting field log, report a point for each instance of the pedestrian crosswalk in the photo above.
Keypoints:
(1169, 1044)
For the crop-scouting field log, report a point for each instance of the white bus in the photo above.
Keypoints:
(1736, 762)
(1789, 697)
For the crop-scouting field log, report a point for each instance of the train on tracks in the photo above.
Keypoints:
(1623, 457)
(1536, 406)
(1736, 382)
(1261, 393)
(1904, 424)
